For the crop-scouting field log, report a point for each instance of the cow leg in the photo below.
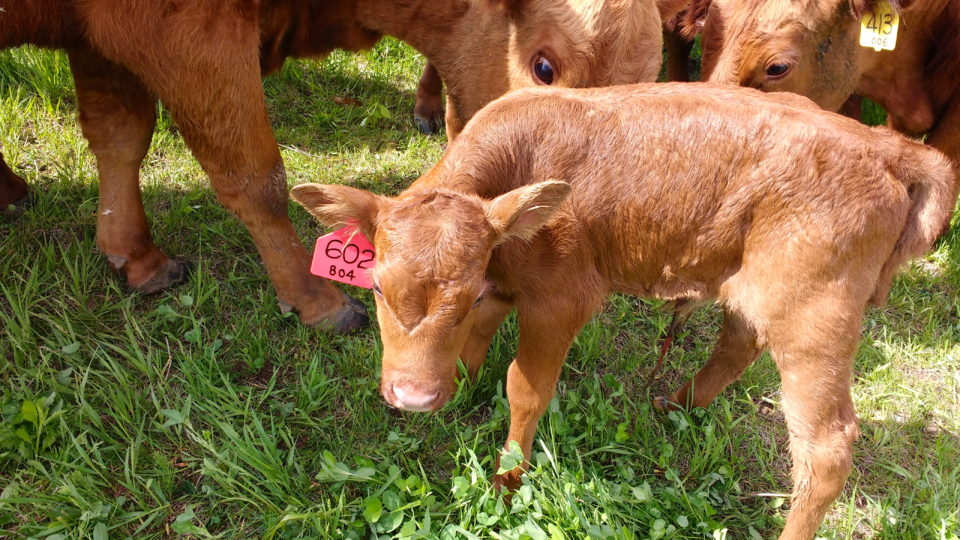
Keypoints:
(428, 112)
(678, 56)
(13, 189)
(117, 115)
(214, 93)
(852, 107)
(736, 348)
(489, 317)
(814, 351)
(546, 333)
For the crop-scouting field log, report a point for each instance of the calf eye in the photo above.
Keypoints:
(376, 289)
(477, 301)
(543, 70)
(776, 71)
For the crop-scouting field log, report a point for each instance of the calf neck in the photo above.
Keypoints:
(790, 217)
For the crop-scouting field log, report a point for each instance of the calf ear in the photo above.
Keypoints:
(522, 212)
(334, 204)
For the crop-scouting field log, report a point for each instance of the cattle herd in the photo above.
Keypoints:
(791, 217)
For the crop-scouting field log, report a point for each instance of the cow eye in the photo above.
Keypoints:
(777, 71)
(477, 301)
(543, 70)
(376, 289)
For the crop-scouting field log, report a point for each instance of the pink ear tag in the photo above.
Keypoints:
(345, 255)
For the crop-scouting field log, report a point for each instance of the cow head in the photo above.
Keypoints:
(432, 250)
(809, 47)
(501, 45)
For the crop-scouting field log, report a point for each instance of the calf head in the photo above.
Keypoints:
(502, 45)
(809, 47)
(432, 250)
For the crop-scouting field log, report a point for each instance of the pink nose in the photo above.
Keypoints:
(410, 398)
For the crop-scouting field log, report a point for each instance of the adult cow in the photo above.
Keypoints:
(428, 112)
(203, 61)
(811, 47)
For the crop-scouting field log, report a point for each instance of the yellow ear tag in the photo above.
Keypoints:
(878, 28)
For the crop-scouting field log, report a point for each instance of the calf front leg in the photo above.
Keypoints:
(13, 189)
(117, 115)
(428, 111)
(546, 333)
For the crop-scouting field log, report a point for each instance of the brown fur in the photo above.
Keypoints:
(790, 217)
(916, 83)
(428, 111)
(204, 60)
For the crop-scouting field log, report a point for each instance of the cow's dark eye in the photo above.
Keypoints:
(478, 300)
(543, 70)
(376, 289)
(776, 71)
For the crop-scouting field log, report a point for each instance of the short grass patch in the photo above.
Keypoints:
(204, 412)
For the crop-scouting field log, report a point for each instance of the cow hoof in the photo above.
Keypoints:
(16, 207)
(351, 318)
(428, 124)
(172, 273)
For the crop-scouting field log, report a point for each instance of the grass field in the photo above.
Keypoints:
(204, 412)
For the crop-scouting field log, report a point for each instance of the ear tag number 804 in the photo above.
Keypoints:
(345, 255)
(878, 27)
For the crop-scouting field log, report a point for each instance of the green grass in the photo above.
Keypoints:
(205, 412)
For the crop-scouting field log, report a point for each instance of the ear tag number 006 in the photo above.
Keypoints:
(878, 28)
(345, 255)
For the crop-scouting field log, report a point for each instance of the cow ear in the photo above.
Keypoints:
(334, 205)
(859, 7)
(522, 212)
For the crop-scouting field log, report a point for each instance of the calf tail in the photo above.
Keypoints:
(930, 180)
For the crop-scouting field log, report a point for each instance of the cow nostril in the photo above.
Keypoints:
(410, 399)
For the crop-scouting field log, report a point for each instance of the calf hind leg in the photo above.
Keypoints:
(736, 348)
(117, 115)
(814, 354)
(13, 189)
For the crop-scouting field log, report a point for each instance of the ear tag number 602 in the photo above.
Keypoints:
(345, 255)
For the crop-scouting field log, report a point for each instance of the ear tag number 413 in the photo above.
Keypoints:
(878, 28)
(345, 255)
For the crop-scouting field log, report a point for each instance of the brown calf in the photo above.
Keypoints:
(811, 47)
(790, 217)
(204, 60)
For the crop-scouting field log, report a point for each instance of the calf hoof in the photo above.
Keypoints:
(428, 122)
(665, 404)
(509, 481)
(172, 273)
